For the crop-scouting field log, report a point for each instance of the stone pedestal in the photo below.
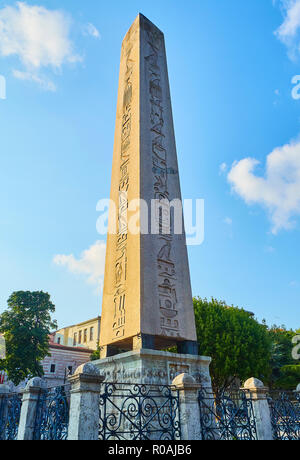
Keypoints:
(261, 408)
(29, 408)
(153, 367)
(4, 392)
(189, 407)
(84, 407)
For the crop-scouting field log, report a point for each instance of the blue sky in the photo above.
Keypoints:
(230, 76)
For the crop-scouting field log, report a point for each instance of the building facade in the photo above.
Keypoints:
(63, 362)
(82, 335)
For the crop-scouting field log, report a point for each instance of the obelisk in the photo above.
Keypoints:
(147, 298)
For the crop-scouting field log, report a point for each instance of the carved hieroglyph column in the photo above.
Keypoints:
(147, 299)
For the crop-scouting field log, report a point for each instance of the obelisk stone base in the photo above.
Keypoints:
(153, 367)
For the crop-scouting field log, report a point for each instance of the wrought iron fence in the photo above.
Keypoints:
(139, 412)
(285, 415)
(227, 416)
(10, 410)
(52, 415)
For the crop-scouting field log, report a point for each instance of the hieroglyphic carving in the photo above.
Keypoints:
(119, 320)
(168, 303)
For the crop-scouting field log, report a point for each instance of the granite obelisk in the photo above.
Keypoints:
(147, 298)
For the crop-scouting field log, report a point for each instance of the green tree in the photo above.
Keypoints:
(240, 347)
(26, 326)
(95, 355)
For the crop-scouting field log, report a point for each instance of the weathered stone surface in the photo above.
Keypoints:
(189, 407)
(262, 415)
(35, 382)
(153, 367)
(147, 290)
(29, 407)
(87, 368)
(184, 379)
(84, 406)
(253, 383)
(4, 389)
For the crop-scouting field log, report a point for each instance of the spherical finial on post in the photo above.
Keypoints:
(183, 380)
(253, 383)
(88, 369)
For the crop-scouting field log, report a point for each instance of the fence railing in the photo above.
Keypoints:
(138, 412)
(227, 416)
(10, 409)
(89, 409)
(52, 414)
(285, 415)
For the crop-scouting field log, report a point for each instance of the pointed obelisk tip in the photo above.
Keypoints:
(141, 16)
(141, 19)
(144, 19)
(141, 22)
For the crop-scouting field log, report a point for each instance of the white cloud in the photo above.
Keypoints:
(38, 37)
(278, 190)
(228, 221)
(222, 168)
(289, 31)
(44, 83)
(91, 263)
(269, 249)
(91, 30)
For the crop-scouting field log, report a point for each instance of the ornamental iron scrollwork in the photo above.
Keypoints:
(10, 410)
(285, 415)
(227, 416)
(139, 412)
(52, 416)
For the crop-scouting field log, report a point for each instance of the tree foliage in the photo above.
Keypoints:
(95, 355)
(239, 346)
(26, 326)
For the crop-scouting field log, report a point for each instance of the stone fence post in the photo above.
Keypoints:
(189, 407)
(29, 407)
(84, 407)
(261, 409)
(4, 391)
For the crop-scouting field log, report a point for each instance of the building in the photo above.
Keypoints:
(63, 362)
(83, 335)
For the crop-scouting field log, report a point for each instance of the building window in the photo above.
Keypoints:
(58, 340)
(85, 335)
(52, 368)
(91, 333)
(75, 339)
(80, 337)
